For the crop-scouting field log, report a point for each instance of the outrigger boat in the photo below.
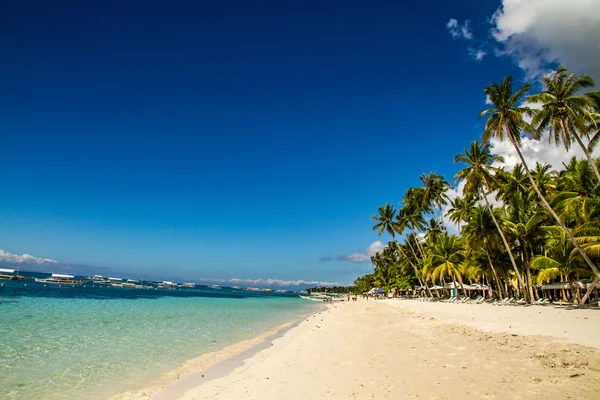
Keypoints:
(10, 274)
(99, 280)
(325, 297)
(61, 279)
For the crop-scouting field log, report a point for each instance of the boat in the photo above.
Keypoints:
(99, 280)
(267, 290)
(188, 285)
(115, 282)
(215, 287)
(10, 274)
(131, 284)
(61, 279)
(325, 297)
(167, 285)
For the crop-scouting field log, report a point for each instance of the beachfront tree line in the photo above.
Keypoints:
(517, 228)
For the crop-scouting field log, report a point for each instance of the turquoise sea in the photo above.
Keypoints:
(92, 342)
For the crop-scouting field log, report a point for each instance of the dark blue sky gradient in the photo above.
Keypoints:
(224, 139)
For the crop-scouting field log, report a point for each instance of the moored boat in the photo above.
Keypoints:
(10, 274)
(61, 279)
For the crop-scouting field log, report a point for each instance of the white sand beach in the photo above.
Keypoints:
(406, 349)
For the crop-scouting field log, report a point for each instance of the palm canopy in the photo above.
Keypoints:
(564, 112)
(506, 119)
(385, 220)
(478, 175)
(445, 258)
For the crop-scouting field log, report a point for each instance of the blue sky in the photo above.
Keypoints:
(231, 140)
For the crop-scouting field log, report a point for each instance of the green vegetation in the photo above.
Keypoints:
(518, 228)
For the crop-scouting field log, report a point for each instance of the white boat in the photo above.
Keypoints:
(61, 279)
(10, 274)
(325, 297)
(131, 283)
(115, 281)
(99, 280)
(188, 285)
(168, 285)
(215, 287)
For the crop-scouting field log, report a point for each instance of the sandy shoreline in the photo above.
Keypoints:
(407, 349)
(212, 364)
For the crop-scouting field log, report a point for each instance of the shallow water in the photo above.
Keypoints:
(62, 342)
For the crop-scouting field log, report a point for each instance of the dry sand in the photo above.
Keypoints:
(405, 349)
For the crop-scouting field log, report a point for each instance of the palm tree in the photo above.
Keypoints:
(445, 259)
(434, 193)
(385, 222)
(529, 233)
(461, 208)
(564, 112)
(482, 233)
(559, 260)
(479, 180)
(507, 120)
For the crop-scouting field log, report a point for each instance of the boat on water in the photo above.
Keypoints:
(324, 297)
(188, 285)
(61, 279)
(118, 282)
(99, 280)
(167, 285)
(131, 284)
(10, 274)
(215, 287)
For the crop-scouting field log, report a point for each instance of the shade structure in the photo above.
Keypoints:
(476, 286)
(452, 286)
(557, 285)
(436, 287)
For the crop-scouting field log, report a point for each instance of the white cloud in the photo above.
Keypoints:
(22, 259)
(476, 54)
(536, 33)
(537, 151)
(458, 31)
(533, 151)
(361, 256)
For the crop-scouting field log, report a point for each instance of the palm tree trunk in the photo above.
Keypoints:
(587, 294)
(415, 268)
(585, 151)
(551, 211)
(510, 255)
(528, 269)
(496, 277)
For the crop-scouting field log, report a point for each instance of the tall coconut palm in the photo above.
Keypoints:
(479, 180)
(506, 120)
(435, 192)
(564, 112)
(460, 209)
(385, 222)
(529, 233)
(480, 233)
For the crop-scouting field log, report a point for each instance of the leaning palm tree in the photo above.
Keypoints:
(479, 181)
(564, 112)
(507, 120)
(385, 222)
(434, 194)
(460, 209)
